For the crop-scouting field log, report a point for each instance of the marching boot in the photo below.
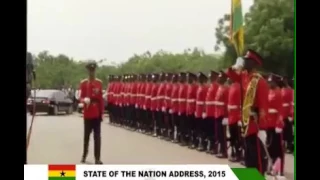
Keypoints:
(98, 162)
(209, 147)
(222, 154)
(233, 156)
(190, 141)
(168, 137)
(200, 146)
(214, 148)
(175, 135)
(155, 131)
(183, 140)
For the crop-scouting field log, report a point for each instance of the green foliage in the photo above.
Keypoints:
(59, 71)
(269, 29)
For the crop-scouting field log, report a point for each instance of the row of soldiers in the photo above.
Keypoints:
(198, 111)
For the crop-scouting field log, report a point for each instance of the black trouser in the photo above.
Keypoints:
(89, 126)
(148, 121)
(140, 117)
(200, 127)
(132, 116)
(275, 147)
(288, 134)
(255, 155)
(159, 120)
(234, 131)
(191, 128)
(111, 112)
(210, 129)
(221, 133)
(182, 128)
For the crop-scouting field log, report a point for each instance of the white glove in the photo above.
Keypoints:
(262, 135)
(278, 130)
(144, 107)
(239, 63)
(163, 109)
(86, 100)
(170, 111)
(179, 113)
(136, 105)
(239, 123)
(127, 104)
(225, 121)
(204, 115)
(80, 105)
(290, 119)
(120, 104)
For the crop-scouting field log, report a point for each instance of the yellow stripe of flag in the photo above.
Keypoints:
(60, 173)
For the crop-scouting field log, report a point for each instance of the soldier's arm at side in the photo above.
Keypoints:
(226, 101)
(280, 123)
(262, 102)
(101, 98)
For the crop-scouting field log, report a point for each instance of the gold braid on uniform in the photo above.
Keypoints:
(248, 102)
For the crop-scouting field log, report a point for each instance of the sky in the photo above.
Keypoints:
(117, 29)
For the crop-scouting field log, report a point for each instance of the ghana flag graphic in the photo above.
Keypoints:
(62, 172)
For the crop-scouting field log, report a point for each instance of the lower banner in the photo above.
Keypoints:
(138, 172)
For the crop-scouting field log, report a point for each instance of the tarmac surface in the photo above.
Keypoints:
(58, 140)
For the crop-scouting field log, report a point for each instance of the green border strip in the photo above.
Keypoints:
(247, 174)
(295, 85)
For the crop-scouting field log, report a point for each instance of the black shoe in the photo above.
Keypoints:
(83, 160)
(98, 162)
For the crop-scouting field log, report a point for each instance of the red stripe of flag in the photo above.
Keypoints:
(62, 167)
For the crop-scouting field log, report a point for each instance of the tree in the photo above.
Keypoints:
(58, 71)
(269, 29)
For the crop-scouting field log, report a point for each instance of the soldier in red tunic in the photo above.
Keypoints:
(255, 108)
(147, 105)
(132, 101)
(182, 99)
(110, 97)
(191, 108)
(287, 97)
(290, 147)
(200, 111)
(153, 123)
(125, 102)
(209, 116)
(159, 104)
(91, 97)
(221, 114)
(166, 107)
(174, 107)
(275, 123)
(116, 94)
(234, 117)
(140, 103)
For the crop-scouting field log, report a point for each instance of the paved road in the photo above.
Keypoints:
(58, 139)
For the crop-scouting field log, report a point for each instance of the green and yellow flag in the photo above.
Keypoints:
(237, 31)
(62, 172)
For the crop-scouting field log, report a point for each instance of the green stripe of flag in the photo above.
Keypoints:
(62, 178)
(237, 32)
(237, 18)
(247, 174)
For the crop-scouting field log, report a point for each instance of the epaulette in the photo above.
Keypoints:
(98, 79)
(84, 80)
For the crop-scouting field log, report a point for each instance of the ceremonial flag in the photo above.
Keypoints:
(62, 172)
(237, 32)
